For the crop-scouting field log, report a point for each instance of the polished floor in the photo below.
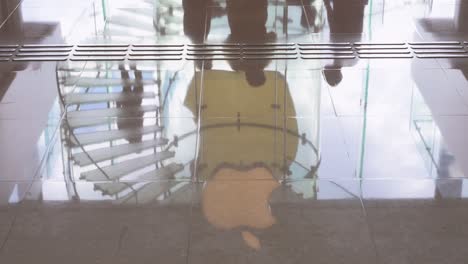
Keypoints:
(337, 135)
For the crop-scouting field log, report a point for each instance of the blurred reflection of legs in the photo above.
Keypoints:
(132, 119)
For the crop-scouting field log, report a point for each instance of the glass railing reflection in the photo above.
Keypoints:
(111, 150)
(122, 133)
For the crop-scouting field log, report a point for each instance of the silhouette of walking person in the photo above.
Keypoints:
(247, 22)
(134, 91)
(345, 19)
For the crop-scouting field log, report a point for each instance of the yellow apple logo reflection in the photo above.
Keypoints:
(239, 199)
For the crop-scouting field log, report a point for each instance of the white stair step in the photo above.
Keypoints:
(163, 3)
(148, 192)
(116, 171)
(75, 123)
(113, 188)
(121, 31)
(91, 81)
(165, 172)
(131, 22)
(87, 69)
(112, 112)
(108, 135)
(102, 154)
(119, 4)
(148, 12)
(87, 98)
(103, 39)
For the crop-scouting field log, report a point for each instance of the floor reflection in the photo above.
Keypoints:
(247, 160)
(129, 125)
(132, 123)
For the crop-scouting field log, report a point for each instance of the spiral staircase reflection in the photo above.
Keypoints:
(113, 137)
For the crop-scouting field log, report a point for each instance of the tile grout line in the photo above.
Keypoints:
(368, 225)
(11, 13)
(190, 217)
(2, 245)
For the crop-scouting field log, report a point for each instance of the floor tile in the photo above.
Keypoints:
(310, 96)
(137, 225)
(133, 225)
(276, 224)
(334, 149)
(22, 87)
(451, 159)
(24, 144)
(416, 223)
(373, 92)
(384, 148)
(442, 99)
